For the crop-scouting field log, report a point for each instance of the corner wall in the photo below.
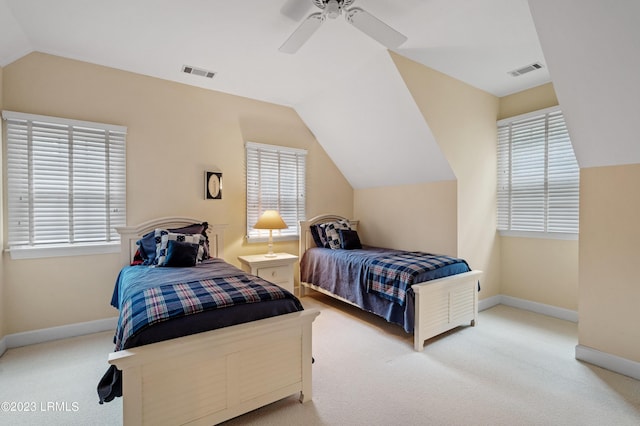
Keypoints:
(609, 253)
(175, 133)
(536, 269)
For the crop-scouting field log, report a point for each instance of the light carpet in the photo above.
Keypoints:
(514, 368)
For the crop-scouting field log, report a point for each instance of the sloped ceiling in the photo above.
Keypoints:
(342, 83)
(409, 152)
(592, 49)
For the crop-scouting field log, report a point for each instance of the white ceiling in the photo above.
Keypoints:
(593, 49)
(476, 41)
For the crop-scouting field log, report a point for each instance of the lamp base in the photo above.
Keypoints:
(270, 254)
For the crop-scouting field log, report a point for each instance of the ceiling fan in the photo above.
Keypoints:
(359, 18)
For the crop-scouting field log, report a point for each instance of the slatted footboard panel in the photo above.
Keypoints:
(214, 376)
(443, 304)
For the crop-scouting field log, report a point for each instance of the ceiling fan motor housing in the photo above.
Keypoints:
(332, 8)
(359, 18)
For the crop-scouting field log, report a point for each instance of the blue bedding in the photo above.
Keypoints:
(391, 274)
(352, 275)
(162, 303)
(149, 295)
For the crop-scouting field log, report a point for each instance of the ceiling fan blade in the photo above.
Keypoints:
(302, 33)
(296, 9)
(374, 28)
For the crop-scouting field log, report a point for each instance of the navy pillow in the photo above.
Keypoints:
(349, 239)
(147, 247)
(196, 228)
(181, 254)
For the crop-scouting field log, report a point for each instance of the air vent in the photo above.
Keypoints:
(198, 71)
(524, 70)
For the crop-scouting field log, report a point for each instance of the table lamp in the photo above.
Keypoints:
(270, 220)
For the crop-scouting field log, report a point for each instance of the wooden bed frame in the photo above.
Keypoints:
(210, 377)
(440, 305)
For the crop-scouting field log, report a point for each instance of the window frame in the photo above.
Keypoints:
(84, 140)
(546, 233)
(260, 204)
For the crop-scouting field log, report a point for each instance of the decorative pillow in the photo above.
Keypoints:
(349, 239)
(166, 236)
(147, 246)
(149, 243)
(196, 228)
(316, 233)
(181, 254)
(331, 231)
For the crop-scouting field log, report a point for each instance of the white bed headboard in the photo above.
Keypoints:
(130, 234)
(306, 239)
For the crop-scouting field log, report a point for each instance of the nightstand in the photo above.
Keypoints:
(278, 269)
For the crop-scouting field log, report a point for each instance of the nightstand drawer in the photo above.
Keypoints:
(275, 274)
(277, 269)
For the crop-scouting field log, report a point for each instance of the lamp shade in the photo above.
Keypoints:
(270, 219)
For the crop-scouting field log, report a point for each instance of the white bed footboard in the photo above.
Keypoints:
(214, 376)
(443, 304)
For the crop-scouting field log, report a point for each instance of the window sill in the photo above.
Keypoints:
(540, 235)
(18, 253)
(252, 240)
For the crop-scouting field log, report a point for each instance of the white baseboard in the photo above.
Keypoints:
(583, 353)
(54, 333)
(489, 302)
(608, 361)
(540, 308)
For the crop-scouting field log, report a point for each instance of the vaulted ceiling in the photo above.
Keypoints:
(593, 53)
(342, 83)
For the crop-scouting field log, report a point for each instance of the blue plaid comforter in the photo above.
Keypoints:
(155, 303)
(391, 275)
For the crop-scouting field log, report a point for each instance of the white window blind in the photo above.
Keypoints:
(66, 181)
(275, 181)
(538, 175)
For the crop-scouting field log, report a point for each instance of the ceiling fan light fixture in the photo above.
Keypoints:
(332, 9)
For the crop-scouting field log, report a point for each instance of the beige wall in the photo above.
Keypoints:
(462, 119)
(534, 99)
(175, 133)
(609, 253)
(539, 270)
(403, 217)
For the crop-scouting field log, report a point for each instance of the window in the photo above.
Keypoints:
(275, 181)
(538, 176)
(66, 187)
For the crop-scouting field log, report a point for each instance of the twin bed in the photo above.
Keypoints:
(425, 294)
(199, 341)
(219, 357)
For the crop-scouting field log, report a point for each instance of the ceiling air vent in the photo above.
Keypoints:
(524, 70)
(198, 71)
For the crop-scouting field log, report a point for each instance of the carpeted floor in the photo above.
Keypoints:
(514, 368)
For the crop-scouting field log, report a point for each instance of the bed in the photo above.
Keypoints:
(438, 300)
(206, 376)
